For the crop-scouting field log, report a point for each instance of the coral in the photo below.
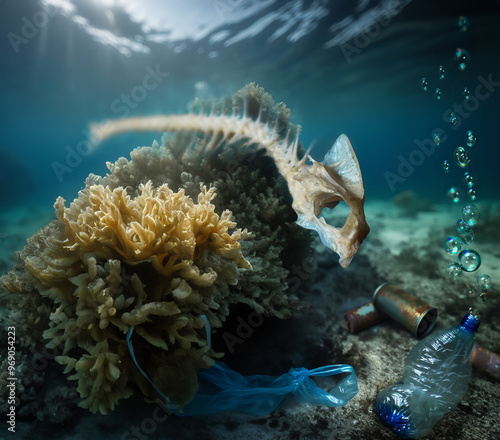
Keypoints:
(253, 117)
(135, 249)
(83, 262)
(167, 228)
(105, 231)
(263, 208)
(26, 311)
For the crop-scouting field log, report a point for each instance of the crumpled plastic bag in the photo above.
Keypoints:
(224, 390)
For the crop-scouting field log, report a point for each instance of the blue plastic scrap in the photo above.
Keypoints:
(222, 389)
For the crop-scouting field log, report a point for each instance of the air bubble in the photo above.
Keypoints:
(467, 237)
(453, 118)
(438, 93)
(461, 157)
(472, 193)
(470, 290)
(442, 72)
(453, 270)
(454, 194)
(470, 138)
(470, 214)
(469, 260)
(469, 179)
(461, 58)
(474, 313)
(446, 166)
(453, 245)
(436, 139)
(463, 23)
(484, 281)
(424, 85)
(462, 226)
(466, 93)
(465, 231)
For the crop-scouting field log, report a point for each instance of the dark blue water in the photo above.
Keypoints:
(341, 66)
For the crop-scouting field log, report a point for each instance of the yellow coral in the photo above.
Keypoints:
(166, 227)
(156, 261)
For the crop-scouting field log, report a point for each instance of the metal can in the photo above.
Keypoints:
(362, 317)
(410, 312)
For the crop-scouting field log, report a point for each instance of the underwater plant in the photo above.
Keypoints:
(170, 236)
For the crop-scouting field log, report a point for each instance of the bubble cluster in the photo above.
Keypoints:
(454, 194)
(470, 214)
(436, 139)
(461, 157)
(453, 270)
(463, 23)
(470, 138)
(469, 260)
(469, 179)
(474, 313)
(484, 281)
(472, 193)
(446, 166)
(461, 58)
(441, 72)
(453, 245)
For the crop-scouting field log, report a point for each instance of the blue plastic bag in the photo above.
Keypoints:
(222, 389)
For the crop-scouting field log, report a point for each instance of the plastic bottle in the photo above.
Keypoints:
(435, 379)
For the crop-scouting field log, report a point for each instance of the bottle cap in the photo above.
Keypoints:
(470, 323)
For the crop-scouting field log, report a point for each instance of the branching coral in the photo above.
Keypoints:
(177, 246)
(167, 228)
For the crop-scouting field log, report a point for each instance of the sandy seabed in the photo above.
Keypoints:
(405, 248)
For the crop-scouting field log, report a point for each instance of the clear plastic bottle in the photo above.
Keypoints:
(435, 379)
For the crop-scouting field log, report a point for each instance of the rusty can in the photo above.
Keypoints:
(409, 311)
(362, 317)
(485, 360)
